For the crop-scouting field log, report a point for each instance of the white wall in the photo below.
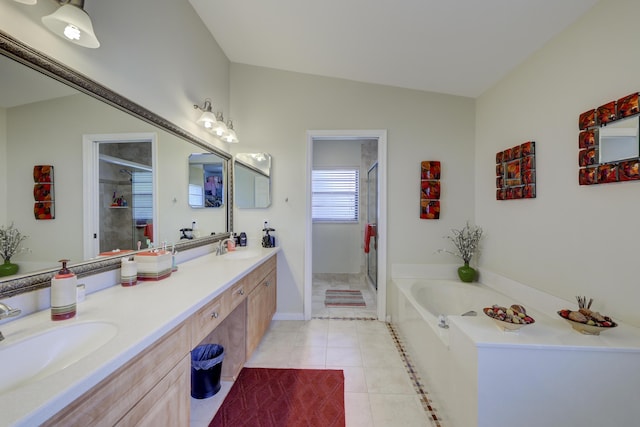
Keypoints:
(570, 240)
(3, 165)
(337, 247)
(277, 108)
(158, 54)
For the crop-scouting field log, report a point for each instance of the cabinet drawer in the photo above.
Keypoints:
(208, 317)
(237, 293)
(258, 274)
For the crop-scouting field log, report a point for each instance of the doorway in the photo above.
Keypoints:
(380, 137)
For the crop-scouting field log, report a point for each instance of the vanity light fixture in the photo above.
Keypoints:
(207, 119)
(230, 136)
(219, 129)
(72, 23)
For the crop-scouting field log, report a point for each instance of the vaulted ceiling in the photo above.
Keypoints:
(459, 47)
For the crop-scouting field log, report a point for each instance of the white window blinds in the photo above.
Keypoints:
(335, 195)
(142, 188)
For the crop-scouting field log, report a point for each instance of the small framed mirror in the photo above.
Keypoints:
(619, 140)
(206, 183)
(252, 173)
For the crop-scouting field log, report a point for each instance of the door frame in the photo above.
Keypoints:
(381, 136)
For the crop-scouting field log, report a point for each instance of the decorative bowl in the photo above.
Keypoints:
(585, 328)
(506, 325)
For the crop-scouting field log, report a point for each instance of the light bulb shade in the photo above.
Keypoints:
(230, 137)
(220, 129)
(73, 24)
(207, 120)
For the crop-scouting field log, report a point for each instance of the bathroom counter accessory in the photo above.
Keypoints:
(142, 314)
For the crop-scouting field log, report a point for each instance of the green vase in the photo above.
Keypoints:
(7, 269)
(467, 274)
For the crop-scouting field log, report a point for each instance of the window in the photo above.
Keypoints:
(335, 194)
(142, 188)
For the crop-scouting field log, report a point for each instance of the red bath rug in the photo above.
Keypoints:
(263, 397)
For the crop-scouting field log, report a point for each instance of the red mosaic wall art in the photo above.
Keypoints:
(516, 172)
(590, 122)
(430, 189)
(44, 206)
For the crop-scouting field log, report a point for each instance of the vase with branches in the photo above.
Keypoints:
(10, 240)
(466, 242)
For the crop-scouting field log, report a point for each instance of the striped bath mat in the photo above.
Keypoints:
(343, 298)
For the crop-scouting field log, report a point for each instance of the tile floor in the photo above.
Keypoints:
(378, 389)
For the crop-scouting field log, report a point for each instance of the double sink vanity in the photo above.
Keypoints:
(125, 358)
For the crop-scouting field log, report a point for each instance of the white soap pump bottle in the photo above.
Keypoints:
(63, 293)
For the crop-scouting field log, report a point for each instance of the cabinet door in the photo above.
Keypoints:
(261, 306)
(167, 404)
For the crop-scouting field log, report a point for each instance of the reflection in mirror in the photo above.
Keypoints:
(119, 189)
(206, 181)
(619, 140)
(252, 175)
(46, 110)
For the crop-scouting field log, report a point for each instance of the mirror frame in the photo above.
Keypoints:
(46, 65)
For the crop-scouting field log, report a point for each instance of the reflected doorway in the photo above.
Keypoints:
(119, 190)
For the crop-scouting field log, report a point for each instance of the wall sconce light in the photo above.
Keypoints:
(230, 136)
(207, 119)
(72, 23)
(219, 128)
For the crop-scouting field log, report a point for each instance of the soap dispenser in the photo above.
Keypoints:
(63, 293)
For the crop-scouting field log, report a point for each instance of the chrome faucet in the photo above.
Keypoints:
(7, 311)
(221, 249)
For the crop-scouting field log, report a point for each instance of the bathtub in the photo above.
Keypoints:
(476, 373)
(437, 300)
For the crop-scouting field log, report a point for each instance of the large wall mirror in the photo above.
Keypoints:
(45, 111)
(252, 180)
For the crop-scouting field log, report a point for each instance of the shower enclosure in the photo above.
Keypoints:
(126, 195)
(372, 220)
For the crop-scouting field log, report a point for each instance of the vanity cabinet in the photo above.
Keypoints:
(137, 392)
(153, 388)
(251, 304)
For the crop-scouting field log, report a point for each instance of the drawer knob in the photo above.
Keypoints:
(214, 315)
(267, 283)
(241, 291)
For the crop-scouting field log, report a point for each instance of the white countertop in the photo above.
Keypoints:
(141, 313)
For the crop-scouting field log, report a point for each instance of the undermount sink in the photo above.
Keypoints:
(37, 356)
(241, 254)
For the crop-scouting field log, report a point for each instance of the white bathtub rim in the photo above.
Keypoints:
(549, 331)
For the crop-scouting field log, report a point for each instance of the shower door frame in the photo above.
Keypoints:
(369, 256)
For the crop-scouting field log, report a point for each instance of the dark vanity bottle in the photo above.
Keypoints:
(243, 239)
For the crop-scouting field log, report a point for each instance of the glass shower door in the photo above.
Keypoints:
(372, 221)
